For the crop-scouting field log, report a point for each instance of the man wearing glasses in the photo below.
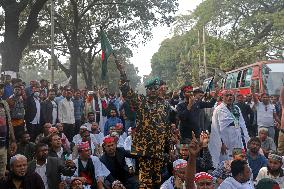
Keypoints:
(228, 129)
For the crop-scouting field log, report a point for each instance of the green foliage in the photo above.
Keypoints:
(238, 33)
(78, 23)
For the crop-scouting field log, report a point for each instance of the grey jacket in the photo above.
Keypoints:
(54, 168)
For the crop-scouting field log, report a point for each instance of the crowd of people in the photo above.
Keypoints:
(58, 137)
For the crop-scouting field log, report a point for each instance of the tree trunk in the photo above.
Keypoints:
(74, 59)
(15, 42)
(89, 81)
(11, 51)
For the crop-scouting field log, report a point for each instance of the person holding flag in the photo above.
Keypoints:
(153, 130)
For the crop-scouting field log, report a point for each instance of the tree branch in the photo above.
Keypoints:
(23, 4)
(60, 65)
(94, 3)
(32, 23)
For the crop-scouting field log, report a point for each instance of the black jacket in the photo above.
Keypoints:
(46, 109)
(120, 156)
(31, 181)
(190, 119)
(54, 168)
(30, 108)
(247, 113)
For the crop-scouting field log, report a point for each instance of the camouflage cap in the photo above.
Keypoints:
(153, 82)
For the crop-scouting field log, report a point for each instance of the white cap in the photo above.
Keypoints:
(179, 162)
(91, 92)
(83, 127)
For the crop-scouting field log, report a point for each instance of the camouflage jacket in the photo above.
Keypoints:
(153, 132)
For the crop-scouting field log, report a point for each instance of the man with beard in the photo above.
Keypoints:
(189, 111)
(50, 168)
(240, 176)
(228, 129)
(111, 122)
(90, 119)
(273, 169)
(204, 159)
(18, 177)
(66, 115)
(89, 168)
(95, 130)
(49, 109)
(17, 109)
(64, 139)
(153, 131)
(114, 160)
(255, 159)
(25, 147)
(178, 179)
(56, 149)
(223, 170)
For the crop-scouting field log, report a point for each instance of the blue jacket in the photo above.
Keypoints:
(111, 122)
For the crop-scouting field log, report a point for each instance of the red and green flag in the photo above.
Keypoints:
(106, 52)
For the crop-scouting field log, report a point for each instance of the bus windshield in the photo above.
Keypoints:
(274, 78)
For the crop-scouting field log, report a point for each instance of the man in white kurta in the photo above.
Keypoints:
(228, 130)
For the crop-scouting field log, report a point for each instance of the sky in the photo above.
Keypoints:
(143, 54)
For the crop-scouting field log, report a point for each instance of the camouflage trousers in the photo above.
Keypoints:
(150, 173)
(281, 143)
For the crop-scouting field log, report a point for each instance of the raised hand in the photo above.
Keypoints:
(224, 149)
(194, 146)
(204, 139)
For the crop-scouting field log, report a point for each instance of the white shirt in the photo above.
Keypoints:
(41, 170)
(231, 183)
(120, 142)
(54, 112)
(99, 137)
(37, 116)
(99, 167)
(60, 152)
(265, 118)
(66, 112)
(263, 174)
(168, 184)
(127, 146)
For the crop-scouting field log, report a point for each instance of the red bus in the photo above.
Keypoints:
(267, 77)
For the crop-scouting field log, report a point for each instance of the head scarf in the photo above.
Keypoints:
(84, 146)
(276, 157)
(179, 163)
(108, 140)
(202, 175)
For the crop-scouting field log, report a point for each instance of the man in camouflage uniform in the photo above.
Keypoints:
(152, 129)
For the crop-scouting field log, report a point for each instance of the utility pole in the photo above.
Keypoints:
(204, 53)
(52, 41)
(199, 55)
